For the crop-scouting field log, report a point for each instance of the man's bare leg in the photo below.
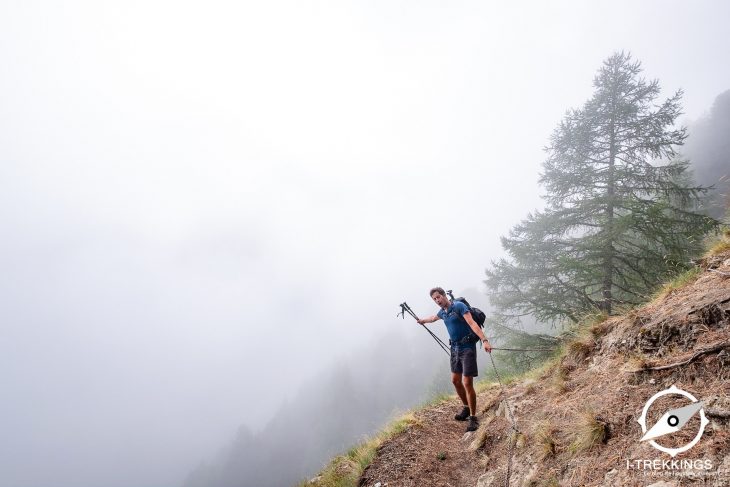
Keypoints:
(471, 394)
(456, 379)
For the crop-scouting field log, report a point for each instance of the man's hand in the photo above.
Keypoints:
(487, 346)
(421, 322)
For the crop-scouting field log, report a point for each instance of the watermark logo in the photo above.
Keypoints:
(672, 421)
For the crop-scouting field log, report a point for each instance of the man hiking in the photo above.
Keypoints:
(464, 332)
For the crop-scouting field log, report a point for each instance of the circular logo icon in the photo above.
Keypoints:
(672, 421)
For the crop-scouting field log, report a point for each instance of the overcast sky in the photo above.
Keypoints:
(202, 203)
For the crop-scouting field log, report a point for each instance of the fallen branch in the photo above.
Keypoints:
(715, 348)
(717, 413)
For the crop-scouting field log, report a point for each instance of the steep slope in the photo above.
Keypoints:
(578, 417)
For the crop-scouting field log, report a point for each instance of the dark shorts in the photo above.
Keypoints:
(464, 361)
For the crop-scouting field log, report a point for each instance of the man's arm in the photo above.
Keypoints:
(430, 319)
(477, 331)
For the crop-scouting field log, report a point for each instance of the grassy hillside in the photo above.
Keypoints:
(577, 413)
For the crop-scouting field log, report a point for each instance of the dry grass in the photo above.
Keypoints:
(581, 348)
(530, 386)
(559, 379)
(678, 282)
(600, 327)
(531, 481)
(520, 440)
(635, 364)
(718, 248)
(438, 399)
(545, 439)
(719, 245)
(485, 385)
(546, 368)
(591, 430)
(594, 318)
(345, 470)
(585, 336)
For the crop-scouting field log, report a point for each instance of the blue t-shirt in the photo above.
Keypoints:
(455, 322)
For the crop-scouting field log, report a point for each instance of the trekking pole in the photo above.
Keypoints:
(407, 309)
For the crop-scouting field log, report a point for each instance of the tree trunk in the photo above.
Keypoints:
(610, 192)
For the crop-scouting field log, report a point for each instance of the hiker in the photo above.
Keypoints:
(464, 333)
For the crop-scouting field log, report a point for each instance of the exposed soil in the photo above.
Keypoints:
(599, 387)
(432, 453)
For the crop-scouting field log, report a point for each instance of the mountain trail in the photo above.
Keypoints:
(578, 418)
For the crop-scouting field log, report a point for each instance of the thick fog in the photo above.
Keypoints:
(708, 147)
(330, 413)
(208, 209)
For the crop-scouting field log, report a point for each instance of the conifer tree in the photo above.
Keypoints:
(621, 209)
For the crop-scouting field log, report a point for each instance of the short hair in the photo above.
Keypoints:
(439, 290)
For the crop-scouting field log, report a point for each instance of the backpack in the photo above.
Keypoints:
(476, 313)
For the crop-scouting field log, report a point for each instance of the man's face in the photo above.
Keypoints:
(440, 300)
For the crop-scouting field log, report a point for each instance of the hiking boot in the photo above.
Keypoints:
(473, 424)
(463, 414)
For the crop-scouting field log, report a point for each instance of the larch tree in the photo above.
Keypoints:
(621, 214)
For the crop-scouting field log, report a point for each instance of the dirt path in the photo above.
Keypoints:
(434, 452)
